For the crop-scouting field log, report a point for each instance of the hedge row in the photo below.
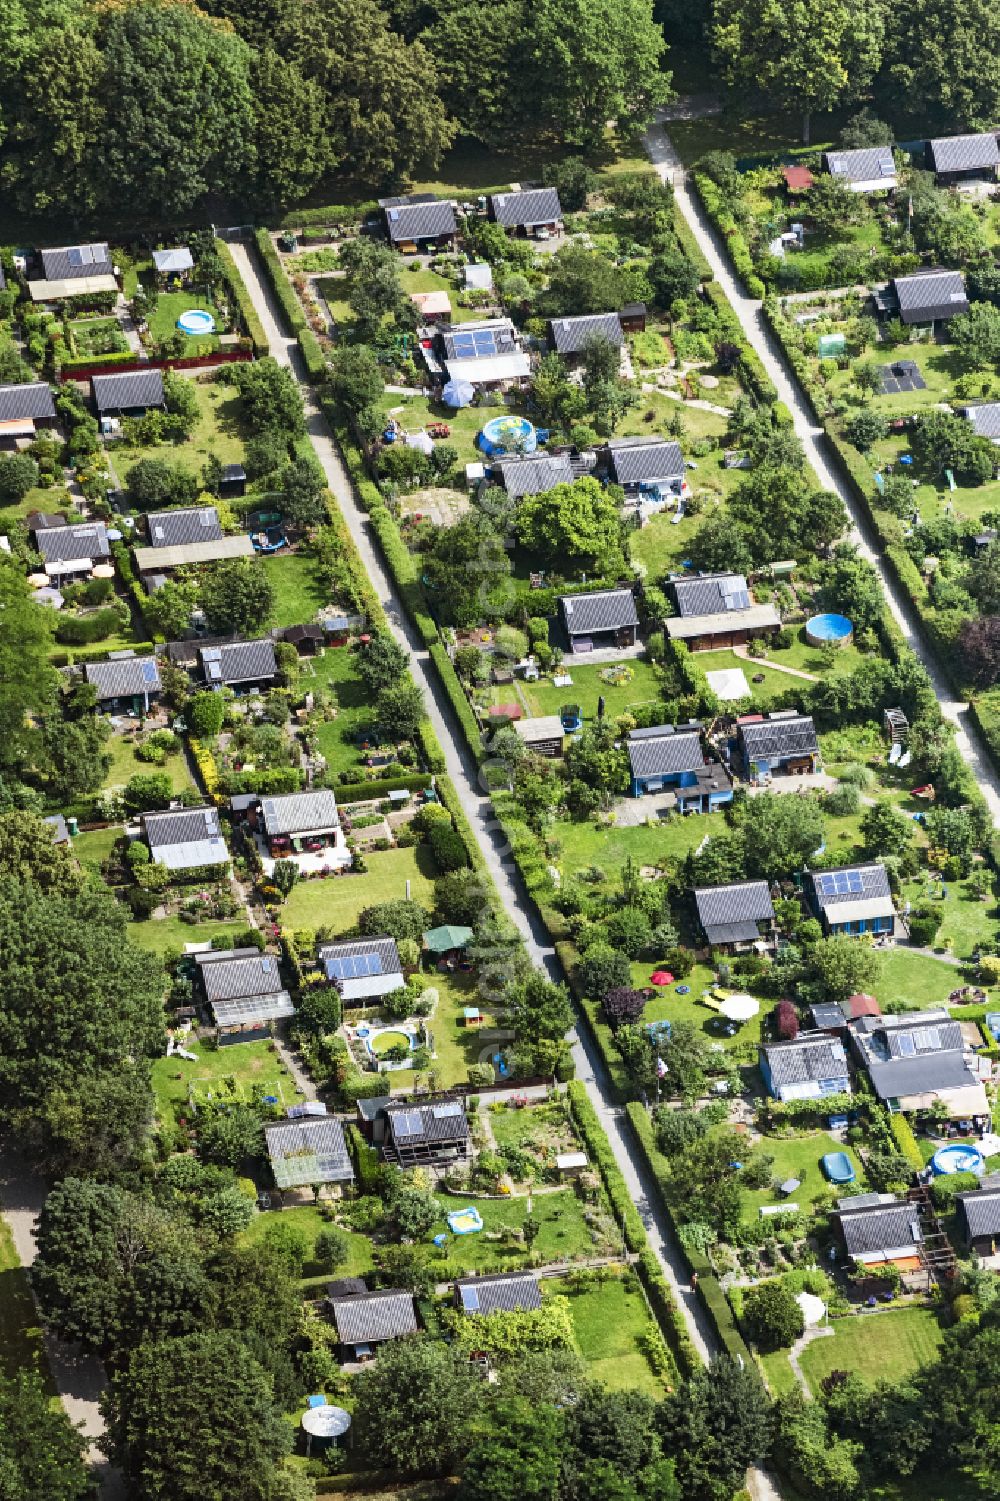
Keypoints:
(334, 214)
(74, 658)
(358, 792)
(686, 240)
(902, 1135)
(711, 197)
(750, 369)
(280, 285)
(241, 297)
(713, 1299)
(667, 1314)
(312, 354)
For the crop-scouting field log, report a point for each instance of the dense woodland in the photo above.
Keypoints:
(111, 109)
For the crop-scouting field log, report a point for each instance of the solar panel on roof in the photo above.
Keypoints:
(443, 1112)
(928, 1039)
(907, 1046)
(149, 672)
(485, 342)
(352, 966)
(464, 346)
(408, 1123)
(74, 256)
(470, 1299)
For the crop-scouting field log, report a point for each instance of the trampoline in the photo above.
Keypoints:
(958, 1159)
(823, 628)
(196, 321)
(838, 1167)
(465, 1221)
(508, 434)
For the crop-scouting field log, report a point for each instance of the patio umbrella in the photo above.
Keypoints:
(458, 393)
(103, 571)
(739, 1008)
(38, 580)
(661, 977)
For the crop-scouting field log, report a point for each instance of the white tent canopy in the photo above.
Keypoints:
(739, 1008)
(813, 1308)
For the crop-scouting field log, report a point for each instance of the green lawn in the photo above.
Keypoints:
(170, 306)
(309, 1221)
(883, 1346)
(415, 412)
(336, 901)
(810, 659)
(335, 737)
(54, 499)
(797, 1157)
(937, 363)
(298, 593)
(93, 848)
(471, 167)
(125, 765)
(564, 1234)
(216, 431)
(167, 935)
(667, 1005)
(778, 1373)
(21, 1347)
(915, 978)
(255, 1068)
(590, 684)
(583, 842)
(609, 1321)
(966, 922)
(775, 684)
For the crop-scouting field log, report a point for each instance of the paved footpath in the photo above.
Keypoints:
(465, 775)
(749, 311)
(79, 1379)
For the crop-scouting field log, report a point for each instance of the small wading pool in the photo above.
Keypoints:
(465, 1221)
(823, 628)
(508, 434)
(196, 321)
(957, 1159)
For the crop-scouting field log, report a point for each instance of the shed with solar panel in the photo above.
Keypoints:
(433, 1133)
(125, 683)
(245, 992)
(717, 611)
(853, 899)
(362, 969)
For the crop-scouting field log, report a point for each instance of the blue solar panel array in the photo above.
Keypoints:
(353, 966)
(840, 883)
(149, 672)
(479, 345)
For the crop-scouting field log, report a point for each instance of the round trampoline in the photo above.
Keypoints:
(958, 1159)
(821, 629)
(508, 435)
(196, 321)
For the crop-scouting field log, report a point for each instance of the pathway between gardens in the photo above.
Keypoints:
(664, 157)
(465, 776)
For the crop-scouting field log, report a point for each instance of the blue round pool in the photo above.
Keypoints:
(508, 434)
(823, 628)
(958, 1159)
(196, 321)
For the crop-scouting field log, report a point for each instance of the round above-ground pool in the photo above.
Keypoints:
(823, 628)
(508, 434)
(958, 1159)
(196, 321)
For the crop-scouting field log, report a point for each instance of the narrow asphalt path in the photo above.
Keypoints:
(79, 1379)
(476, 805)
(663, 155)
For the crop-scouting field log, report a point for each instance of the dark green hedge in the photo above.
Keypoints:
(248, 313)
(280, 285)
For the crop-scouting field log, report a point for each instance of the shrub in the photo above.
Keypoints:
(773, 1318)
(447, 847)
(786, 1020)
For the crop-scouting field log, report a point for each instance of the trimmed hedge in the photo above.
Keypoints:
(359, 792)
(312, 354)
(666, 1313)
(902, 1135)
(334, 214)
(739, 251)
(689, 245)
(280, 285)
(240, 295)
